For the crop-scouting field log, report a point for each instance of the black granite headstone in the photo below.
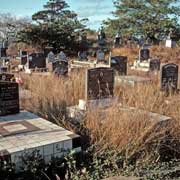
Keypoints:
(9, 98)
(119, 64)
(99, 83)
(144, 54)
(169, 77)
(36, 60)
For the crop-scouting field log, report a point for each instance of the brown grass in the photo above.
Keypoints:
(132, 134)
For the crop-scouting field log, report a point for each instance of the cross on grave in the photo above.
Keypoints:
(119, 64)
(169, 77)
(9, 98)
(99, 83)
(144, 54)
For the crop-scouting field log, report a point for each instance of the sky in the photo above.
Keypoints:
(95, 10)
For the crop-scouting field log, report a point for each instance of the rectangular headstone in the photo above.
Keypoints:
(9, 98)
(99, 83)
(24, 56)
(36, 60)
(100, 55)
(119, 63)
(154, 65)
(144, 54)
(169, 77)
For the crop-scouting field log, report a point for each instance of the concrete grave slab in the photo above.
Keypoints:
(25, 132)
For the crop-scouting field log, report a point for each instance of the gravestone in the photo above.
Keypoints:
(7, 77)
(36, 60)
(62, 56)
(3, 52)
(82, 55)
(51, 57)
(100, 55)
(144, 54)
(9, 98)
(169, 77)
(24, 57)
(119, 64)
(99, 83)
(154, 65)
(61, 68)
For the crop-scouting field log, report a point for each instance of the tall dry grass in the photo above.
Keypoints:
(130, 133)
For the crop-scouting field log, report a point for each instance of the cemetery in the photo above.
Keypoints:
(81, 102)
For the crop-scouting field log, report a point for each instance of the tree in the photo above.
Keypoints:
(11, 25)
(54, 26)
(153, 19)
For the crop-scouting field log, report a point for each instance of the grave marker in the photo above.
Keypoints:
(169, 77)
(144, 54)
(100, 55)
(99, 83)
(36, 60)
(82, 55)
(119, 64)
(154, 65)
(61, 68)
(9, 98)
(24, 57)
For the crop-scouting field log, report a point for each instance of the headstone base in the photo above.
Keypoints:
(131, 80)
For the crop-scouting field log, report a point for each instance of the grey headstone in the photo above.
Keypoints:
(100, 55)
(169, 77)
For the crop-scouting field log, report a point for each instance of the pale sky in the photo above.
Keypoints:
(94, 10)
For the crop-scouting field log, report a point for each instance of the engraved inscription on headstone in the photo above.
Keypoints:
(9, 98)
(169, 77)
(36, 60)
(99, 83)
(154, 65)
(119, 64)
(144, 54)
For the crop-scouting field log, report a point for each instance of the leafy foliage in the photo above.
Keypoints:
(153, 19)
(54, 26)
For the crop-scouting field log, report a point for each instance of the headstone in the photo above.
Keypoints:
(7, 77)
(3, 52)
(100, 55)
(154, 65)
(82, 55)
(62, 56)
(99, 83)
(119, 64)
(36, 60)
(169, 77)
(51, 57)
(24, 57)
(61, 68)
(144, 54)
(9, 98)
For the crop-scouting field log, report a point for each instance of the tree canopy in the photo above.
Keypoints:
(54, 26)
(152, 19)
